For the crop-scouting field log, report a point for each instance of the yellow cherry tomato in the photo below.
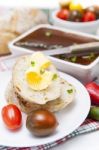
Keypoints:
(76, 6)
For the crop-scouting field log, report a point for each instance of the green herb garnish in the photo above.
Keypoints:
(91, 56)
(54, 76)
(48, 33)
(32, 63)
(70, 91)
(73, 59)
(42, 71)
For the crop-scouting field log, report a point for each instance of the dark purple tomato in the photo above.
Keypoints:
(75, 16)
(41, 122)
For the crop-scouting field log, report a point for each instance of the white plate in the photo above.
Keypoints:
(69, 119)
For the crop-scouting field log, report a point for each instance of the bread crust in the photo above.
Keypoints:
(5, 38)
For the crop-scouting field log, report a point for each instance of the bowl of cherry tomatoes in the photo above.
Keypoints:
(72, 15)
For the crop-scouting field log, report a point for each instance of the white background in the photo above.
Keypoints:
(40, 3)
(83, 142)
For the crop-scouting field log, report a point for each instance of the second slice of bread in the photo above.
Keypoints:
(54, 105)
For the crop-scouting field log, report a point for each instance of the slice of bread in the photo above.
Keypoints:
(23, 90)
(55, 105)
(54, 98)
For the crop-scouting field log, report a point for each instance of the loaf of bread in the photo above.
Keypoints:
(19, 20)
(14, 21)
(5, 38)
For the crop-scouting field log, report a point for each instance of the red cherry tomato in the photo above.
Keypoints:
(89, 16)
(93, 90)
(63, 14)
(11, 116)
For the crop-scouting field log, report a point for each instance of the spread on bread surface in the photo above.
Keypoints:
(38, 75)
